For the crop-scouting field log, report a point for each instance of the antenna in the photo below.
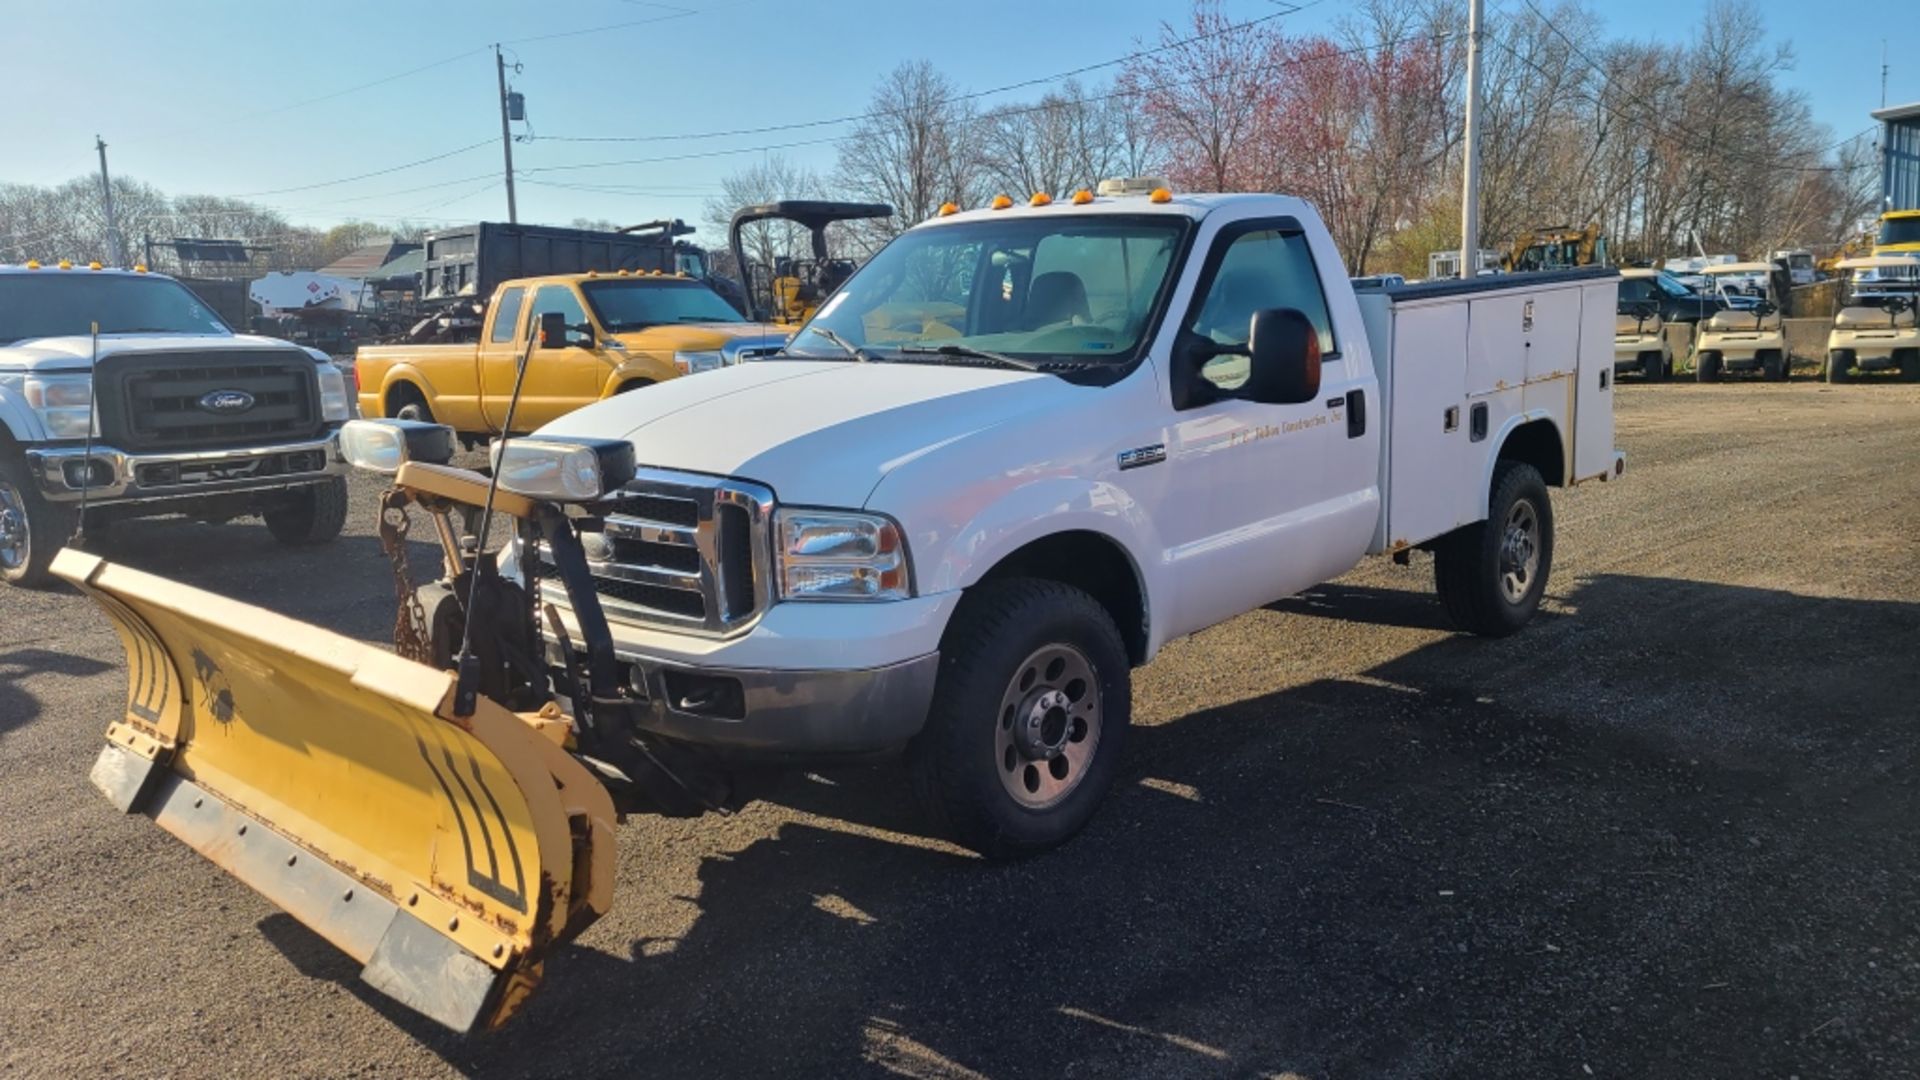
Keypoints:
(466, 687)
(86, 454)
(1883, 73)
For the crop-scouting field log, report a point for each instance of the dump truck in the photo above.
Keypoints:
(948, 537)
(624, 332)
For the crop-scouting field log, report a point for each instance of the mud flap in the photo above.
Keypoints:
(448, 856)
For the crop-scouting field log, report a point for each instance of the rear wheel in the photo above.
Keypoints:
(1839, 366)
(1492, 574)
(31, 528)
(1028, 719)
(311, 515)
(407, 403)
(1706, 367)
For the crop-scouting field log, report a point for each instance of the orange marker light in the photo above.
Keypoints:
(139, 268)
(93, 266)
(33, 264)
(66, 264)
(1000, 202)
(947, 208)
(1040, 198)
(1082, 197)
(1160, 195)
(623, 273)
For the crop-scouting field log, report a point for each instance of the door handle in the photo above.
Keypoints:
(1356, 413)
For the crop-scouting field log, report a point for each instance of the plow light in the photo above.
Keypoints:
(383, 446)
(563, 469)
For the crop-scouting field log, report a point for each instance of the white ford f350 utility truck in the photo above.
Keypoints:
(1024, 447)
(167, 412)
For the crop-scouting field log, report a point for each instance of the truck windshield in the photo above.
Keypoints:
(1040, 288)
(58, 303)
(1901, 230)
(635, 304)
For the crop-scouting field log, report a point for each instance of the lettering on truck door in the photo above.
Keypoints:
(1258, 511)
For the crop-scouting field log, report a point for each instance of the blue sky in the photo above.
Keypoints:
(219, 97)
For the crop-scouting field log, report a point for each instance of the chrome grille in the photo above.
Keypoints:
(679, 550)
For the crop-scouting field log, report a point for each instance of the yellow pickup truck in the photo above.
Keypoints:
(624, 331)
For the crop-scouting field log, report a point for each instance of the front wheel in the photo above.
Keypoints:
(1029, 714)
(311, 515)
(1839, 366)
(1492, 574)
(1706, 367)
(1653, 367)
(31, 528)
(1773, 366)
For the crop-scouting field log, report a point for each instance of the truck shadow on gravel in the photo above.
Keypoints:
(1673, 832)
(19, 708)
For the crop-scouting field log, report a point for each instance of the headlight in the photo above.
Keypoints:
(839, 555)
(691, 363)
(64, 402)
(564, 469)
(383, 446)
(333, 392)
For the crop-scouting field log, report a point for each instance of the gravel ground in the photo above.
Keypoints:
(1672, 829)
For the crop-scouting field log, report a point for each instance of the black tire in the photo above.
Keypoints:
(407, 403)
(1839, 365)
(314, 514)
(1653, 367)
(32, 529)
(1471, 563)
(1909, 363)
(959, 763)
(1706, 367)
(1773, 366)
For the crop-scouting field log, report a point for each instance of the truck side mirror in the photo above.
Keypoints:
(1284, 347)
(553, 330)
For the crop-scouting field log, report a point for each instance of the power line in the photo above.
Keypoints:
(969, 96)
(366, 175)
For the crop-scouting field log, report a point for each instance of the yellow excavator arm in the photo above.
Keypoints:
(448, 855)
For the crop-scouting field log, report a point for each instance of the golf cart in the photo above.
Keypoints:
(787, 291)
(1640, 333)
(1748, 336)
(1877, 326)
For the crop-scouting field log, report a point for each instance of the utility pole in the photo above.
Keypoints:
(106, 198)
(506, 133)
(1470, 180)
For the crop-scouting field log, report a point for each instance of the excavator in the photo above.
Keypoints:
(787, 292)
(432, 811)
(1556, 247)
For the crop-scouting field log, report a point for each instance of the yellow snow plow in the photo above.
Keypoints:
(448, 855)
(443, 813)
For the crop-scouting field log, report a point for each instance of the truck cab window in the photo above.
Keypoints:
(1264, 268)
(558, 298)
(506, 317)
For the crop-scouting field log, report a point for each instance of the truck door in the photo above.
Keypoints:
(558, 380)
(1261, 503)
(498, 353)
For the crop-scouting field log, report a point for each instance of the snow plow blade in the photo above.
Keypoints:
(448, 856)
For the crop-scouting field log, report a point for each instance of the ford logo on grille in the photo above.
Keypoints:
(226, 402)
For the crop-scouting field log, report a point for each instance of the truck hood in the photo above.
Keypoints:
(701, 335)
(73, 351)
(819, 433)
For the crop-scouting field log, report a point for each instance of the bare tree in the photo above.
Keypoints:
(918, 147)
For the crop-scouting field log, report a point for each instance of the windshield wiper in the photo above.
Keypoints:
(970, 353)
(851, 349)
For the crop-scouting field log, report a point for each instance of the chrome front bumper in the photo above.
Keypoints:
(62, 472)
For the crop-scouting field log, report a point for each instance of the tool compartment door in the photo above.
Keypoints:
(1593, 393)
(1426, 447)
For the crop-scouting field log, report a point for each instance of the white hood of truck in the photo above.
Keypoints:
(77, 349)
(819, 433)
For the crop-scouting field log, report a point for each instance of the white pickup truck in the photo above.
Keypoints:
(1025, 447)
(165, 411)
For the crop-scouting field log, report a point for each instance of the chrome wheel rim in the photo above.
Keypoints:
(1519, 551)
(16, 543)
(1048, 727)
